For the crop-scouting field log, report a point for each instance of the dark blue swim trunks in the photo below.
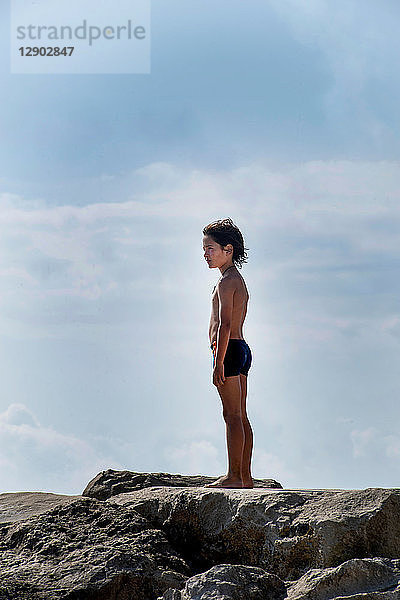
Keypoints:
(237, 357)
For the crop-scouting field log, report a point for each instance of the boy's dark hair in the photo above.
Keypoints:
(226, 232)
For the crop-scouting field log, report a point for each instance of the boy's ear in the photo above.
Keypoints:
(228, 248)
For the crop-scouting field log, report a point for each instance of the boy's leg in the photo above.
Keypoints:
(248, 436)
(231, 396)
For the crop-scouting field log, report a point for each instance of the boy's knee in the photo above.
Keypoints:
(232, 417)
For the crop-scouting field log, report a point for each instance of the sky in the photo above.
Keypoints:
(281, 114)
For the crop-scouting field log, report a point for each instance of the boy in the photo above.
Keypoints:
(224, 249)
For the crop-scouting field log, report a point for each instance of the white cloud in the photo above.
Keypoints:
(308, 222)
(199, 457)
(372, 442)
(17, 415)
(393, 446)
(391, 325)
(267, 465)
(40, 458)
(363, 441)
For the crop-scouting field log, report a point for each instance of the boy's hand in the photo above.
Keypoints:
(218, 375)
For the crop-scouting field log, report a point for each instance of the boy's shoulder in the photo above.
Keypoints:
(230, 282)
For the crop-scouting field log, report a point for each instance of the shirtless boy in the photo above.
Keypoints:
(224, 249)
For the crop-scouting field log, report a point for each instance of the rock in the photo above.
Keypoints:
(16, 591)
(182, 543)
(354, 577)
(171, 594)
(22, 505)
(110, 483)
(283, 532)
(388, 595)
(87, 549)
(337, 526)
(230, 582)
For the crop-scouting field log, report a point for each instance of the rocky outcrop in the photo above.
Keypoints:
(196, 543)
(353, 578)
(23, 505)
(227, 582)
(110, 483)
(87, 549)
(284, 532)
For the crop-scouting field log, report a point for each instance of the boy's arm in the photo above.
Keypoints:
(225, 292)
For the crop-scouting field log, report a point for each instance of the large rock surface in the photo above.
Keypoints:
(87, 549)
(284, 532)
(228, 582)
(23, 505)
(110, 483)
(357, 576)
(196, 543)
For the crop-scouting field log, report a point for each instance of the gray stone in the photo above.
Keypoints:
(22, 505)
(388, 595)
(171, 595)
(10, 590)
(87, 549)
(110, 483)
(284, 532)
(230, 582)
(336, 526)
(158, 541)
(350, 579)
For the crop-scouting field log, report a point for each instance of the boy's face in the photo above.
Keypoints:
(214, 254)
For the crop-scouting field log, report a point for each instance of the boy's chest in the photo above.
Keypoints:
(214, 301)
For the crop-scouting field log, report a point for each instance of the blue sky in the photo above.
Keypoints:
(283, 115)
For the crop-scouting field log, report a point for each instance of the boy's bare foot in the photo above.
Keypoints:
(248, 483)
(225, 482)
